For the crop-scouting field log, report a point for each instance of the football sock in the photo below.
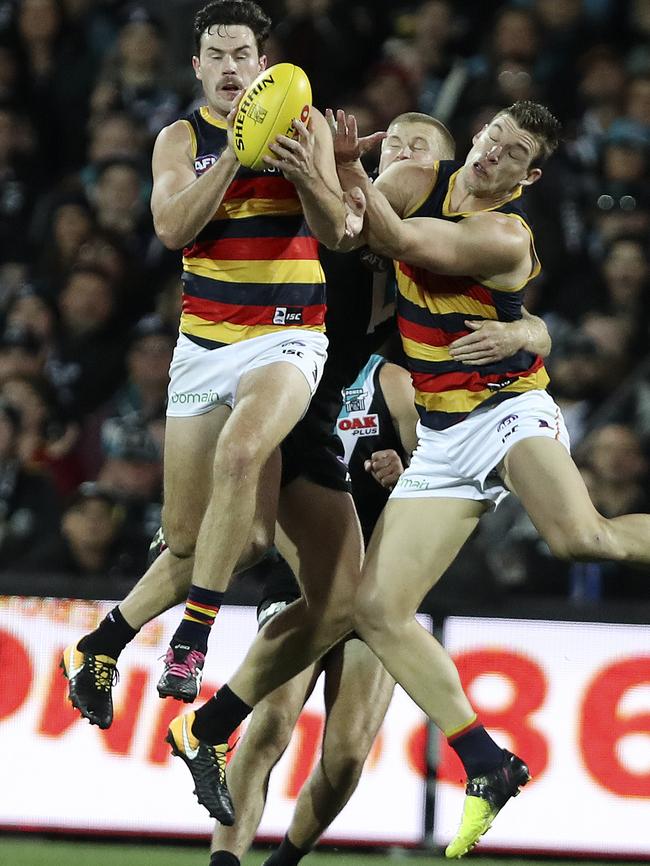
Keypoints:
(286, 855)
(475, 748)
(110, 637)
(215, 721)
(201, 608)
(223, 858)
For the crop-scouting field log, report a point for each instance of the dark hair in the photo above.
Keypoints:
(446, 138)
(542, 125)
(221, 13)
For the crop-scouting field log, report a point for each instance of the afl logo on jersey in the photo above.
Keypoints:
(203, 163)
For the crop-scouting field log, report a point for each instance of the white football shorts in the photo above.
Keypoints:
(201, 379)
(460, 462)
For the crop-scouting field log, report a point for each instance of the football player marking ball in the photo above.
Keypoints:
(277, 96)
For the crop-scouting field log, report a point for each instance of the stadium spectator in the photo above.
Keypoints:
(86, 364)
(22, 353)
(29, 506)
(46, 442)
(133, 77)
(89, 542)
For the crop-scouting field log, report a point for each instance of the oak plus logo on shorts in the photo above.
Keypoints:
(287, 316)
(194, 398)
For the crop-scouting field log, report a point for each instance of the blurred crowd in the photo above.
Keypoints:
(89, 298)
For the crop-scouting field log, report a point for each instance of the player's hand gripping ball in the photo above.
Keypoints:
(277, 96)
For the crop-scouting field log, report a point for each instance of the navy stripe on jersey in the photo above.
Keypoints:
(256, 294)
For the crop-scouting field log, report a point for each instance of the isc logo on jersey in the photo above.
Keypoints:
(277, 96)
(364, 425)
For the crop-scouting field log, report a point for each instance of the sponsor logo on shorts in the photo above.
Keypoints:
(287, 316)
(368, 425)
(194, 398)
(506, 422)
(507, 426)
(203, 163)
(543, 423)
(355, 399)
(414, 483)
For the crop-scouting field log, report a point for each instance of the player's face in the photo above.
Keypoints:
(227, 63)
(500, 158)
(410, 140)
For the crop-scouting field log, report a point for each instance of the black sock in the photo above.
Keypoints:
(477, 750)
(110, 637)
(215, 721)
(286, 855)
(223, 858)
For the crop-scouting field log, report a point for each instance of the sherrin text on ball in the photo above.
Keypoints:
(277, 96)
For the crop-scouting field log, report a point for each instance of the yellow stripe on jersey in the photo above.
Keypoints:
(446, 205)
(258, 271)
(193, 143)
(204, 111)
(225, 332)
(460, 400)
(240, 208)
(457, 303)
(425, 353)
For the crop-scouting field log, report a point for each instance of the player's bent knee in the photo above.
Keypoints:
(343, 759)
(584, 542)
(374, 614)
(270, 731)
(237, 458)
(179, 540)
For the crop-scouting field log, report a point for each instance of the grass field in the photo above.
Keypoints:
(36, 851)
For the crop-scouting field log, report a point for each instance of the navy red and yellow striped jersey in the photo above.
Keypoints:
(431, 313)
(254, 268)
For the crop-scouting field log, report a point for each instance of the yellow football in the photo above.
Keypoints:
(277, 96)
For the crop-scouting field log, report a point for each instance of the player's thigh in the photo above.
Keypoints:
(321, 540)
(269, 403)
(358, 690)
(541, 472)
(190, 444)
(413, 544)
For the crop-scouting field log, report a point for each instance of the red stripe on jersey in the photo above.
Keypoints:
(440, 284)
(438, 382)
(428, 336)
(214, 311)
(261, 187)
(255, 249)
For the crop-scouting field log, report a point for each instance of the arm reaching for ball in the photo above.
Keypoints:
(308, 162)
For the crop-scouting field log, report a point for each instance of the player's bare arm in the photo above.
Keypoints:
(490, 341)
(403, 184)
(486, 246)
(308, 162)
(181, 203)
